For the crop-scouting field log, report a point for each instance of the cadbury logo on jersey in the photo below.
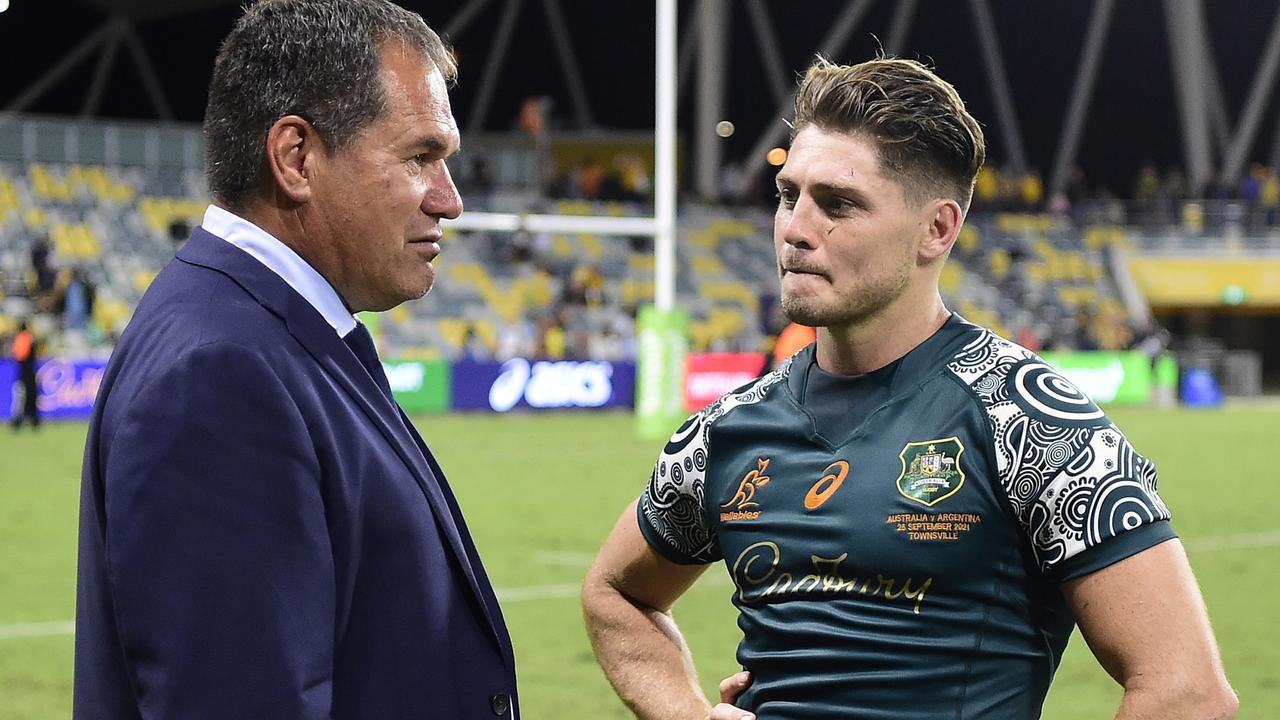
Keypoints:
(744, 498)
(931, 470)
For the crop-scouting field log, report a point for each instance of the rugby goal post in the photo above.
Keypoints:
(662, 329)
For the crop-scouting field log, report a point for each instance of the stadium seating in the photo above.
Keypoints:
(119, 225)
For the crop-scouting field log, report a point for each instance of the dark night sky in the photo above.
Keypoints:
(1133, 116)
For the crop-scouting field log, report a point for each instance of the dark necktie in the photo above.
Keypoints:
(361, 343)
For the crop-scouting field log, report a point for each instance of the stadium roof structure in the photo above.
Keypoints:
(1056, 83)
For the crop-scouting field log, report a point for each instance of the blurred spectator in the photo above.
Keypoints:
(1251, 185)
(1030, 190)
(479, 183)
(1027, 337)
(517, 339)
(792, 338)
(986, 187)
(520, 247)
(1269, 197)
(26, 351)
(42, 280)
(1147, 187)
(1077, 189)
(551, 338)
(584, 287)
(592, 283)
(573, 291)
(1174, 187)
(1009, 191)
(473, 345)
(179, 231)
(1150, 339)
(76, 301)
(633, 178)
(588, 178)
(532, 117)
(604, 344)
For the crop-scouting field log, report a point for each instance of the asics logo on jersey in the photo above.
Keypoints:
(827, 485)
(743, 499)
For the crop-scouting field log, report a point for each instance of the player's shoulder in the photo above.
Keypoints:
(754, 392)
(1007, 377)
(684, 459)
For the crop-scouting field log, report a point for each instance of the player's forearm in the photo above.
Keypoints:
(644, 656)
(1205, 700)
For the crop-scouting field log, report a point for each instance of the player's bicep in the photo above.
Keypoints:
(628, 564)
(1144, 617)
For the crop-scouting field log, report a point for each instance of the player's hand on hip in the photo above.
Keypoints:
(730, 688)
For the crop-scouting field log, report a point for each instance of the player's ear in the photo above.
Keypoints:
(944, 218)
(293, 148)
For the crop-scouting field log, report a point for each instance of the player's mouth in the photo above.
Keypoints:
(428, 245)
(802, 270)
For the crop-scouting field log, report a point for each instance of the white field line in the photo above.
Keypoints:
(1212, 543)
(1233, 542)
(40, 629)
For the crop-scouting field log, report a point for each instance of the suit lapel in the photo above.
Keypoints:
(323, 343)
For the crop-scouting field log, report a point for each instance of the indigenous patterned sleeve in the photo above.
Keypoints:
(1083, 495)
(670, 511)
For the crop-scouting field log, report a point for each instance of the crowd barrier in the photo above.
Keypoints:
(68, 386)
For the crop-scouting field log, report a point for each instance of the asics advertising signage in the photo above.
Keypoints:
(542, 384)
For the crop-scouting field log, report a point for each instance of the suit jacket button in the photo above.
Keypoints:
(500, 703)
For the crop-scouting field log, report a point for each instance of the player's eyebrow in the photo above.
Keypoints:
(435, 145)
(849, 192)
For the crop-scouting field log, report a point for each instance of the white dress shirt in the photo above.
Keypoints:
(283, 261)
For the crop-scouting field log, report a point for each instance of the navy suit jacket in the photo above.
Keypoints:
(262, 532)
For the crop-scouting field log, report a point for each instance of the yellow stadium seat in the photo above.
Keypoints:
(142, 279)
(999, 262)
(640, 262)
(634, 292)
(110, 313)
(35, 219)
(399, 314)
(951, 278)
(487, 333)
(702, 239)
(420, 352)
(574, 207)
(708, 265)
(730, 291)
(592, 245)
(454, 332)
(724, 226)
(561, 246)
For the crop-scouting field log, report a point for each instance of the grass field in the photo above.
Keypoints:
(540, 492)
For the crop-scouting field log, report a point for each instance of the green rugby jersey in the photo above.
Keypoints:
(903, 560)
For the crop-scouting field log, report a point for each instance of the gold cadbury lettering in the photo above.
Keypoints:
(825, 580)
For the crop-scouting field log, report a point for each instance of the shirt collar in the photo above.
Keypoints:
(283, 261)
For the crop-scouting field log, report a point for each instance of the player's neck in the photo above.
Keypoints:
(870, 344)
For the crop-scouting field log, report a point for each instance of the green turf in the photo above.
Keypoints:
(540, 493)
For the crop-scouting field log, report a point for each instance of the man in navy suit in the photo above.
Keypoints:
(263, 533)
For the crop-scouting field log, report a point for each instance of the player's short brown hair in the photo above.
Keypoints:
(926, 138)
